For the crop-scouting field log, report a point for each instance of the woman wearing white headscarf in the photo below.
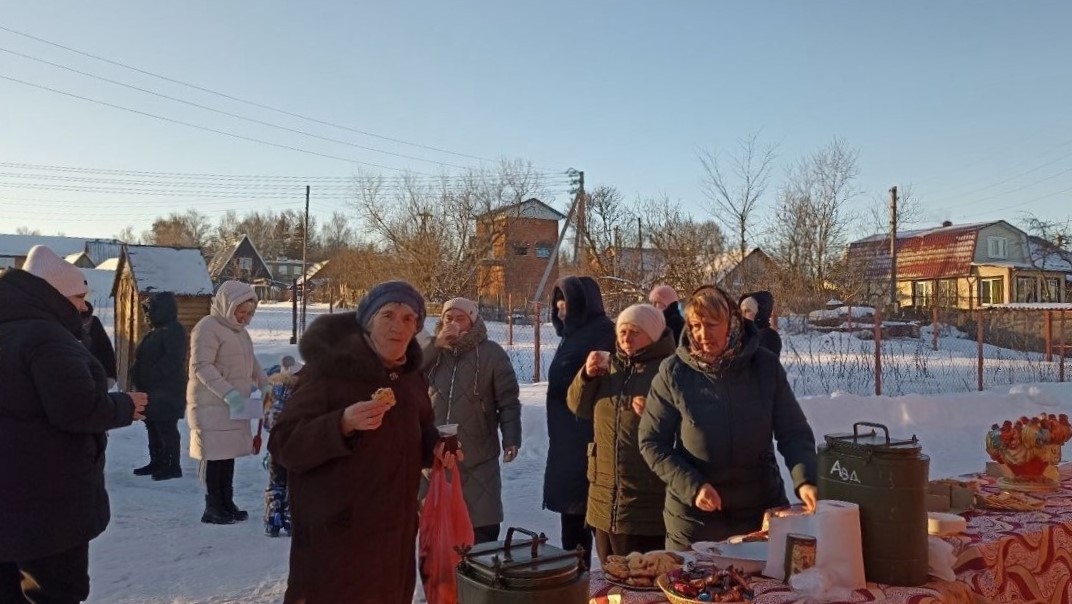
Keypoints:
(223, 373)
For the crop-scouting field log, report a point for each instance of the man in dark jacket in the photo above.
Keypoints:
(160, 370)
(99, 344)
(583, 326)
(665, 299)
(54, 411)
(758, 308)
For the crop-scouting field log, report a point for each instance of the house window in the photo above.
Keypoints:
(923, 293)
(521, 250)
(996, 247)
(947, 292)
(245, 264)
(991, 291)
(1027, 289)
(543, 250)
(1052, 291)
(283, 270)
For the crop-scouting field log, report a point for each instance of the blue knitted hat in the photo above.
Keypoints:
(385, 293)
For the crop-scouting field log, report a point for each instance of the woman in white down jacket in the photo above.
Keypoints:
(223, 373)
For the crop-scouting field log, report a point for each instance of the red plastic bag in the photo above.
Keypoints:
(445, 525)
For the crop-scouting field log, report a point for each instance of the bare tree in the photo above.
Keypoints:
(190, 229)
(429, 224)
(810, 234)
(25, 230)
(1049, 249)
(686, 249)
(127, 235)
(336, 234)
(909, 210)
(608, 229)
(734, 191)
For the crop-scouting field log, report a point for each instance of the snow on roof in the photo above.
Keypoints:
(906, 234)
(1032, 306)
(110, 264)
(19, 245)
(100, 284)
(178, 270)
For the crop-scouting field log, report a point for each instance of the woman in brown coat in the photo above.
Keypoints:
(354, 461)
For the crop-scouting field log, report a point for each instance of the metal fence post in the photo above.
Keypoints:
(509, 319)
(1061, 350)
(878, 352)
(934, 328)
(979, 338)
(536, 341)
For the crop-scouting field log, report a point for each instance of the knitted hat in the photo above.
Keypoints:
(750, 304)
(649, 319)
(664, 294)
(463, 304)
(385, 293)
(60, 274)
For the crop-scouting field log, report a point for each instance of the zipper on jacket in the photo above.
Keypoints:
(617, 446)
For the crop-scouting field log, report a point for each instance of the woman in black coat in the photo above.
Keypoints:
(711, 417)
(160, 370)
(583, 326)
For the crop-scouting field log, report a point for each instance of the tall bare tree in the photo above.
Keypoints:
(1049, 249)
(429, 225)
(688, 248)
(336, 234)
(909, 210)
(190, 229)
(734, 186)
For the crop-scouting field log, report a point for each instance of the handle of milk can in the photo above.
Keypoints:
(510, 538)
(856, 430)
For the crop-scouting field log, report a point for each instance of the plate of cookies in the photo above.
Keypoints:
(638, 571)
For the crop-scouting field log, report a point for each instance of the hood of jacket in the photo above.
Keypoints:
(228, 297)
(162, 308)
(336, 346)
(584, 302)
(24, 296)
(765, 300)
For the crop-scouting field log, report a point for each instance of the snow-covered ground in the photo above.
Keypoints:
(156, 550)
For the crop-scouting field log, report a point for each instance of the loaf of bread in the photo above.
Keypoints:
(385, 395)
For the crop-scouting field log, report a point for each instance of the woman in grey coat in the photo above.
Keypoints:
(472, 384)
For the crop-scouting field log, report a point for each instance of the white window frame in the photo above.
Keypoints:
(990, 292)
(997, 248)
(923, 294)
(245, 264)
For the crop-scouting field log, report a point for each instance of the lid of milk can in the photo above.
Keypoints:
(870, 442)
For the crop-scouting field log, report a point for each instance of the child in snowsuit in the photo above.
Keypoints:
(281, 383)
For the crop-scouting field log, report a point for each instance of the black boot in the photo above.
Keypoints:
(214, 512)
(155, 451)
(227, 492)
(168, 469)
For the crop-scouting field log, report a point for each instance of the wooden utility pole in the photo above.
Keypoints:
(893, 249)
(580, 255)
(305, 262)
(561, 234)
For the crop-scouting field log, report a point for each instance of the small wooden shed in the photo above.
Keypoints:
(145, 270)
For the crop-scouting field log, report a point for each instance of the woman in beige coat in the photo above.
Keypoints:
(223, 373)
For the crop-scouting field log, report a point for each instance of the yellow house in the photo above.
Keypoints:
(962, 266)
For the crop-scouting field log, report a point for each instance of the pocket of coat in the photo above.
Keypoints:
(591, 472)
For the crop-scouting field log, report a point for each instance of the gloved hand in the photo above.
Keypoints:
(235, 401)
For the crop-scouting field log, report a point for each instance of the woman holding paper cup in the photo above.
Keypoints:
(474, 394)
(223, 374)
(708, 429)
(625, 498)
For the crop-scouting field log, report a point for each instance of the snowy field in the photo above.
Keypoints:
(156, 550)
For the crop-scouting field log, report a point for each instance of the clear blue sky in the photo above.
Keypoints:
(968, 102)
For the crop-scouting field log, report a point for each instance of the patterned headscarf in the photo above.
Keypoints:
(735, 338)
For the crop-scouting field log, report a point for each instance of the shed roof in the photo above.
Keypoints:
(173, 269)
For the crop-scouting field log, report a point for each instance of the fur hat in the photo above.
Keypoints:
(386, 293)
(750, 304)
(463, 304)
(65, 277)
(649, 319)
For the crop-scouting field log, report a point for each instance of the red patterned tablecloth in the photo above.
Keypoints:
(1019, 556)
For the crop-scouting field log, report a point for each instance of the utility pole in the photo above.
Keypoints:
(893, 249)
(579, 249)
(305, 261)
(558, 244)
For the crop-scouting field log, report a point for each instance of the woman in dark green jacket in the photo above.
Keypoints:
(625, 498)
(707, 430)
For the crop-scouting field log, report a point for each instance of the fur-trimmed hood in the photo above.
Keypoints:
(337, 346)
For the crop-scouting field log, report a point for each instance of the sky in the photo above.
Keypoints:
(181, 561)
(965, 102)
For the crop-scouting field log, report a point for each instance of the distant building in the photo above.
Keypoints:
(756, 271)
(85, 252)
(518, 240)
(963, 266)
(241, 261)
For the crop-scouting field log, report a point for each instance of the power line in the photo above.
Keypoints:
(241, 100)
(229, 114)
(1011, 178)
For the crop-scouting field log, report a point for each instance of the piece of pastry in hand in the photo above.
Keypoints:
(385, 395)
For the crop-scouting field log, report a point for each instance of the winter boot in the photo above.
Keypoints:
(155, 452)
(168, 469)
(227, 493)
(214, 511)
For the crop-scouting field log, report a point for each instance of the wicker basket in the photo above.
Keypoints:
(663, 582)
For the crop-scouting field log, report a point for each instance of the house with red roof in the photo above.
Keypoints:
(962, 266)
